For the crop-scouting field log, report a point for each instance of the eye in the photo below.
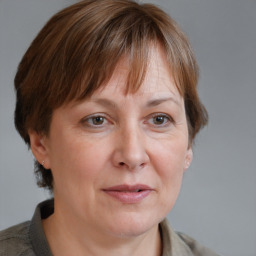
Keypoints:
(95, 121)
(160, 119)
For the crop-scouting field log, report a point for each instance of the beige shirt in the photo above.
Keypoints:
(179, 244)
(28, 238)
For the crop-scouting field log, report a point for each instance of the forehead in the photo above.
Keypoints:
(158, 77)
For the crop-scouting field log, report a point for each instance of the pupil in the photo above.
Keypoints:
(98, 120)
(159, 119)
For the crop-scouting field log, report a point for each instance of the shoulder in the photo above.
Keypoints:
(16, 241)
(179, 244)
(195, 247)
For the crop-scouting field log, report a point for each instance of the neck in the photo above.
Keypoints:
(66, 237)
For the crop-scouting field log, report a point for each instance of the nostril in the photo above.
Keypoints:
(121, 163)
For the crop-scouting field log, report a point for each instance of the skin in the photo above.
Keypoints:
(110, 139)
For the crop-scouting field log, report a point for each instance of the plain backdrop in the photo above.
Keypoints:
(217, 204)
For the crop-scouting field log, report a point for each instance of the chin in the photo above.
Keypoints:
(132, 226)
(129, 232)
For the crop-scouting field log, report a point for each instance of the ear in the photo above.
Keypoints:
(188, 158)
(39, 148)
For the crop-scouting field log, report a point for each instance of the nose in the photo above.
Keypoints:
(130, 151)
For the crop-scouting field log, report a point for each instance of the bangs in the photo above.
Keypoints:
(86, 65)
(92, 66)
(134, 49)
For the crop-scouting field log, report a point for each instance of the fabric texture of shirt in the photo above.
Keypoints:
(28, 238)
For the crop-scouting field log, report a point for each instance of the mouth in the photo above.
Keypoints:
(129, 194)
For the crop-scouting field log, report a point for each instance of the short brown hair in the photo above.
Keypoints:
(76, 52)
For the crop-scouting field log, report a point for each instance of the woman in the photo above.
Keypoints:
(107, 102)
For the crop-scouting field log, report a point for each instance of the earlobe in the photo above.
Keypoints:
(188, 159)
(39, 148)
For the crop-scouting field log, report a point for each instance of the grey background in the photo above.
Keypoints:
(217, 204)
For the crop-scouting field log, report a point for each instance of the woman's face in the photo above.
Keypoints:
(118, 159)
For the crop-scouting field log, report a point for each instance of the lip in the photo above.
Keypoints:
(129, 194)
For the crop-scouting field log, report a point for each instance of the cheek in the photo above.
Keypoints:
(168, 163)
(77, 164)
(169, 157)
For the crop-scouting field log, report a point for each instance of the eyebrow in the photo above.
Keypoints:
(156, 102)
(105, 103)
(151, 103)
